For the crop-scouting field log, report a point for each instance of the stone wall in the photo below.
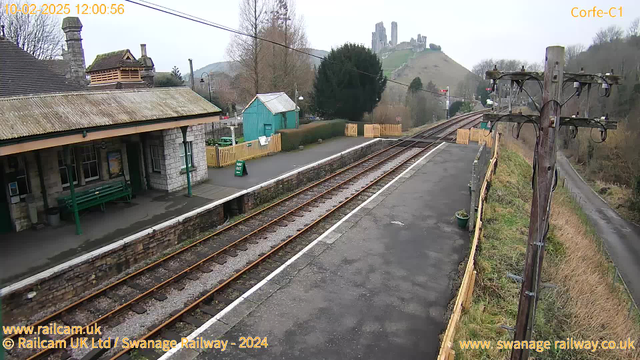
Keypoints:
(174, 164)
(307, 176)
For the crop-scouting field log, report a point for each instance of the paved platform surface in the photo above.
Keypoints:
(29, 252)
(376, 288)
(269, 167)
(621, 237)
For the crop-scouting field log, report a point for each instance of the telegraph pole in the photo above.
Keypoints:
(544, 178)
(545, 168)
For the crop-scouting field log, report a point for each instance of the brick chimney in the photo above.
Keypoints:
(149, 69)
(74, 54)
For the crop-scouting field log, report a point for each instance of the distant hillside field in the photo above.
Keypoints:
(393, 60)
(429, 65)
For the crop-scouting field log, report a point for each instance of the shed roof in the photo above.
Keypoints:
(25, 116)
(277, 102)
(21, 73)
(114, 60)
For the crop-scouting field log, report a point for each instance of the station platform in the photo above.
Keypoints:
(376, 286)
(28, 252)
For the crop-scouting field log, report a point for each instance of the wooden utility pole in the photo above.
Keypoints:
(545, 169)
(548, 124)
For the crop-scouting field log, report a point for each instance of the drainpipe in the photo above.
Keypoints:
(74, 205)
(186, 158)
(43, 189)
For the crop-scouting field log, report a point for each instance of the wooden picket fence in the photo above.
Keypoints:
(465, 293)
(351, 130)
(245, 151)
(372, 130)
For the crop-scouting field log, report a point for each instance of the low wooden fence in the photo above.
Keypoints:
(223, 156)
(462, 136)
(481, 136)
(463, 299)
(391, 129)
(371, 130)
(351, 130)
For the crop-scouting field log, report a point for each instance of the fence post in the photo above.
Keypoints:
(217, 156)
(474, 195)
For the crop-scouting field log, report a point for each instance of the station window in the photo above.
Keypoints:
(64, 174)
(189, 154)
(19, 179)
(156, 157)
(89, 162)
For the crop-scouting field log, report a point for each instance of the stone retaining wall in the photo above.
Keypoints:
(307, 176)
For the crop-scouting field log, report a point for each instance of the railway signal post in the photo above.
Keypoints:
(545, 174)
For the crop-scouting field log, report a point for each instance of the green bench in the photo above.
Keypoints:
(96, 196)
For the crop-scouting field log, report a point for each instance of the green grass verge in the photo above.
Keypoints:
(501, 251)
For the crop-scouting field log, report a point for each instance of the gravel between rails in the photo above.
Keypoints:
(135, 325)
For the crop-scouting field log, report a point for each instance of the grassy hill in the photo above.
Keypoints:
(429, 65)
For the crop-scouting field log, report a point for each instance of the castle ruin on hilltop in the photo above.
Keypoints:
(379, 40)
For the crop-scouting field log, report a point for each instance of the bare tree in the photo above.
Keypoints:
(571, 52)
(287, 68)
(634, 27)
(610, 34)
(39, 35)
(482, 67)
(246, 51)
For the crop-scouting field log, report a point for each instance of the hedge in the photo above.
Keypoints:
(310, 133)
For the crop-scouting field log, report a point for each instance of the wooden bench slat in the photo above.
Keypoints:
(96, 196)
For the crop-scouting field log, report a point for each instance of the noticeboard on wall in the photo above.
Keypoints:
(114, 160)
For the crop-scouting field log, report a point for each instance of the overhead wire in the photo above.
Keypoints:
(202, 21)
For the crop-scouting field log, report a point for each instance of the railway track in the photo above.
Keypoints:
(174, 295)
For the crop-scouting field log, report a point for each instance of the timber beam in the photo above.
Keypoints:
(564, 120)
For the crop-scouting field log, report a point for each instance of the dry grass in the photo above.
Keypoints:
(586, 305)
(599, 309)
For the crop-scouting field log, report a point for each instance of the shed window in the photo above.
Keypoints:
(156, 158)
(64, 174)
(189, 154)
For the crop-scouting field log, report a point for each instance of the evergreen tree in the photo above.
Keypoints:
(349, 83)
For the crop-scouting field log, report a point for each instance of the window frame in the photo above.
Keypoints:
(157, 158)
(93, 154)
(189, 153)
(75, 167)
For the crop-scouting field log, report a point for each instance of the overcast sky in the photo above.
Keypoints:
(468, 31)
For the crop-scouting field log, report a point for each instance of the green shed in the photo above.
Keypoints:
(268, 113)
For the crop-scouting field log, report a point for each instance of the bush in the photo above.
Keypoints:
(310, 133)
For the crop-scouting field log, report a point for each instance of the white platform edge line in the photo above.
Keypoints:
(120, 243)
(256, 287)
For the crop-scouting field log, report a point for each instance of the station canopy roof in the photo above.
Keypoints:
(25, 116)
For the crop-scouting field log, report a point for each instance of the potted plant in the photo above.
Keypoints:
(462, 217)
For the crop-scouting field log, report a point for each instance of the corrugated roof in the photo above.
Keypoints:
(276, 102)
(22, 74)
(50, 113)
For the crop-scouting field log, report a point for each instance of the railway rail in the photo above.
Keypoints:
(176, 294)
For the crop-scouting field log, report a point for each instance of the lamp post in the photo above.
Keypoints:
(297, 97)
(208, 82)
